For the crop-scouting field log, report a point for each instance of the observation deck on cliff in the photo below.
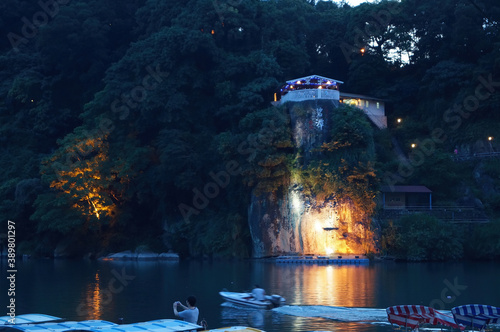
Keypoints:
(309, 88)
(317, 87)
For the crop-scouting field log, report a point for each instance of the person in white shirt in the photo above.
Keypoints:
(259, 293)
(190, 313)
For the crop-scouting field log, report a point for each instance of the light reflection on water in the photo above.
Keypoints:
(92, 306)
(348, 285)
(60, 288)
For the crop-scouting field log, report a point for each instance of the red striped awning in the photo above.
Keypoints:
(414, 315)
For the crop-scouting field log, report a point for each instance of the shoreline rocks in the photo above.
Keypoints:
(142, 256)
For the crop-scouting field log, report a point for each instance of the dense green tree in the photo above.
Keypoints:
(128, 110)
(421, 237)
(345, 163)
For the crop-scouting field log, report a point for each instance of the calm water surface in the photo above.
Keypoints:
(140, 291)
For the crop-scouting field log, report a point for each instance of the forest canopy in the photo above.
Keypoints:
(115, 116)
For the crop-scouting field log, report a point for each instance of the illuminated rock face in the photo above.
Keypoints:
(293, 222)
(299, 224)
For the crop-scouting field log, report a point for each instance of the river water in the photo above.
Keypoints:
(319, 297)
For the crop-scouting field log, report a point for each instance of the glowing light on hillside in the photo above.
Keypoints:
(96, 212)
(296, 203)
(413, 145)
(399, 120)
(85, 183)
(490, 138)
(329, 230)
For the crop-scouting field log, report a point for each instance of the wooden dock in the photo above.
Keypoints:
(323, 260)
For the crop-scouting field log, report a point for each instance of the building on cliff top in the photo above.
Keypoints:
(316, 87)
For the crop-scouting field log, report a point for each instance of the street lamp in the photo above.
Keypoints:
(413, 145)
(399, 120)
(490, 139)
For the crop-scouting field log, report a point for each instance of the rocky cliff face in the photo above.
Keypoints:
(296, 222)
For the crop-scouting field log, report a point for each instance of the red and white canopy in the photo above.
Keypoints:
(414, 315)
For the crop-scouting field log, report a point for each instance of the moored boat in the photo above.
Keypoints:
(161, 325)
(46, 323)
(246, 299)
(27, 319)
(413, 316)
(476, 315)
(235, 329)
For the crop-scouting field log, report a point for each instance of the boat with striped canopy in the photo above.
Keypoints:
(476, 315)
(412, 316)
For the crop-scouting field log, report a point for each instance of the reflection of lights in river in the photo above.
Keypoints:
(332, 285)
(96, 299)
(91, 306)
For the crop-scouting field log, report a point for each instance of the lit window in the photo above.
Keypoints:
(378, 105)
(367, 103)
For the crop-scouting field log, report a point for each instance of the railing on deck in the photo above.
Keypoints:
(465, 157)
(310, 94)
(452, 214)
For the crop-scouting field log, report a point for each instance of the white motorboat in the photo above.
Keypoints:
(246, 299)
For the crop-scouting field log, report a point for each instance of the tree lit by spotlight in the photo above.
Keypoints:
(82, 181)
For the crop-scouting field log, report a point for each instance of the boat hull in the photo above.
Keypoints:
(247, 300)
